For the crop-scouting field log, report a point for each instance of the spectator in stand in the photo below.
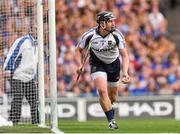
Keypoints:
(157, 20)
(176, 82)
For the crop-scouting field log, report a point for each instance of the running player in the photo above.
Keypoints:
(106, 45)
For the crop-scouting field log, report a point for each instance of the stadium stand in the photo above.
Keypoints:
(154, 60)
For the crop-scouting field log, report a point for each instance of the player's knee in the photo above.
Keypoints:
(103, 94)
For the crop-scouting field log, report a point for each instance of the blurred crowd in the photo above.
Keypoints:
(15, 19)
(154, 61)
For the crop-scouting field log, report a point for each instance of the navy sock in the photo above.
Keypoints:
(113, 112)
(110, 115)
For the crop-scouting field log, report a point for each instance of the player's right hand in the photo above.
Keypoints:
(79, 71)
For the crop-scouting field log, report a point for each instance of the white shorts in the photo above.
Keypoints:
(104, 75)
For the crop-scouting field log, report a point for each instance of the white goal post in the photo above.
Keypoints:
(52, 62)
(53, 75)
(41, 62)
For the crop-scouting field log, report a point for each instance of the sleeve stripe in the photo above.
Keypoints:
(86, 33)
(120, 34)
(88, 40)
(82, 41)
(116, 38)
(13, 57)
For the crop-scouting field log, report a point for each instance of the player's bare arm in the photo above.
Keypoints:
(125, 65)
(78, 53)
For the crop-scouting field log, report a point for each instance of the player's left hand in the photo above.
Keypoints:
(125, 79)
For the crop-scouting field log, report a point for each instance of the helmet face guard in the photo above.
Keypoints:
(105, 16)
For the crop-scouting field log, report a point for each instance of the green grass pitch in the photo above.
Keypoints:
(125, 126)
(100, 126)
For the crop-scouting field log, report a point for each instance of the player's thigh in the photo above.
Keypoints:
(101, 85)
(99, 77)
(113, 74)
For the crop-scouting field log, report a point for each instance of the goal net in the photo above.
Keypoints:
(19, 79)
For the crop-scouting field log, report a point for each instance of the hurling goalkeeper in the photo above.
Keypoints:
(21, 66)
(106, 45)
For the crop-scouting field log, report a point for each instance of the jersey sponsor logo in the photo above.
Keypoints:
(108, 47)
(102, 50)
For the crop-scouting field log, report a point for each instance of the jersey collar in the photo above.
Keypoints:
(97, 32)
